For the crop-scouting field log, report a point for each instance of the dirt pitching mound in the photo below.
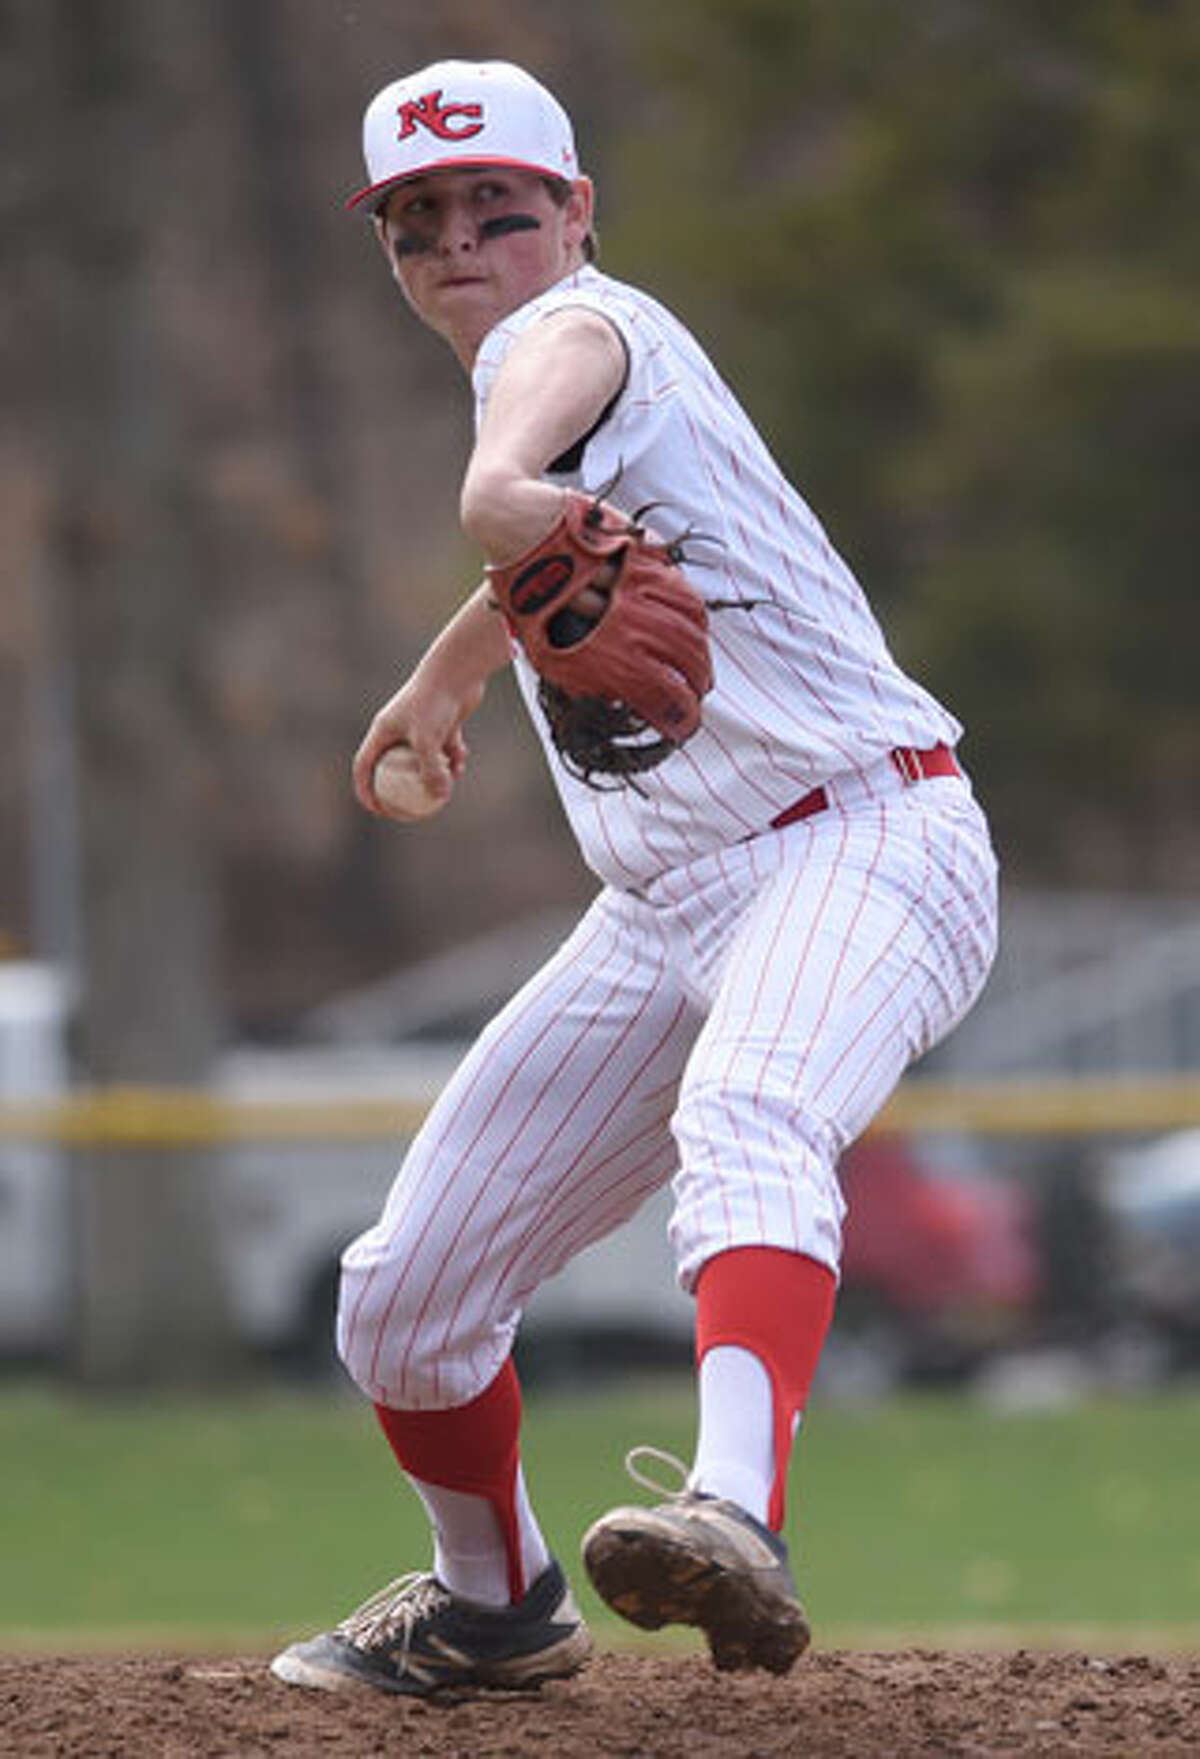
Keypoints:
(640, 1707)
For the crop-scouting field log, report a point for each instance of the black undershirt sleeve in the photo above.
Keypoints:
(570, 461)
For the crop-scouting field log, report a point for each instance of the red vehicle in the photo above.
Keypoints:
(941, 1262)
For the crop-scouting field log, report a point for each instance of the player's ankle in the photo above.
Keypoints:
(733, 1482)
(483, 1580)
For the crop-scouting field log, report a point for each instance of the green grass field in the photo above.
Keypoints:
(236, 1522)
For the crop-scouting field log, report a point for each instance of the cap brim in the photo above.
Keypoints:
(375, 192)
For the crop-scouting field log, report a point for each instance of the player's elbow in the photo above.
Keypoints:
(505, 511)
(486, 501)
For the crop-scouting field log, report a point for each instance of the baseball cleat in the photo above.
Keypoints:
(700, 1560)
(415, 1637)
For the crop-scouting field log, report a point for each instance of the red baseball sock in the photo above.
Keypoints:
(777, 1305)
(471, 1448)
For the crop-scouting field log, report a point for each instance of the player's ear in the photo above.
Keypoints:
(579, 211)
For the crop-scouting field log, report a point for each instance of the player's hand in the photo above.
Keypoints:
(428, 718)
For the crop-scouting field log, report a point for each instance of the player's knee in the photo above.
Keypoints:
(374, 1328)
(753, 1172)
(403, 1349)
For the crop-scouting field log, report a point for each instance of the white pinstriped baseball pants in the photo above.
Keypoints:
(733, 1027)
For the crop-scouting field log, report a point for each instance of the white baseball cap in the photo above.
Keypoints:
(463, 113)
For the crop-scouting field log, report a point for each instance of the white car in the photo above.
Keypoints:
(1151, 1197)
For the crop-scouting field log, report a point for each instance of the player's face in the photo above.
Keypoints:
(467, 247)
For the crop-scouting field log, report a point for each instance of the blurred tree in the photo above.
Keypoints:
(950, 255)
(150, 1298)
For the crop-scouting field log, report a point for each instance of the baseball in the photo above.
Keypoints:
(399, 788)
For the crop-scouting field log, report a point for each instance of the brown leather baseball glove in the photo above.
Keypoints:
(621, 673)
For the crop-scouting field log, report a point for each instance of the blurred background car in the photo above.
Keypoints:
(942, 1264)
(1150, 1194)
(942, 1269)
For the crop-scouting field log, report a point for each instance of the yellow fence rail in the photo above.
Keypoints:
(165, 1117)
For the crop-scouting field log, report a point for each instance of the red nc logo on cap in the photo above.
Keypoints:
(447, 121)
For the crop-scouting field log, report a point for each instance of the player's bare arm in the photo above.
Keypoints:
(429, 710)
(556, 382)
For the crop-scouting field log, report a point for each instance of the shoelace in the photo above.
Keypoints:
(394, 1611)
(647, 1481)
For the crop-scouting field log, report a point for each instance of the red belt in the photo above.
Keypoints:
(912, 765)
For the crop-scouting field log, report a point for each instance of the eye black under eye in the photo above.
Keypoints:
(502, 223)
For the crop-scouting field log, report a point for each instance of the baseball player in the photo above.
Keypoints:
(796, 898)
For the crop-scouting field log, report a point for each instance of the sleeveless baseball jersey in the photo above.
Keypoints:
(805, 688)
